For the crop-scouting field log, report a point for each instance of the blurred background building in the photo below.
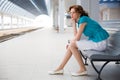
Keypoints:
(110, 9)
(37, 13)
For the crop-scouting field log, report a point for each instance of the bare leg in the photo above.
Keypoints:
(72, 50)
(78, 57)
(65, 59)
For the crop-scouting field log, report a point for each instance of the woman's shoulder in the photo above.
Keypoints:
(84, 17)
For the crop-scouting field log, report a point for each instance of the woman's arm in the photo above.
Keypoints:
(74, 27)
(80, 31)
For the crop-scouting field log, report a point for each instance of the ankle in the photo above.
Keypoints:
(58, 69)
(82, 70)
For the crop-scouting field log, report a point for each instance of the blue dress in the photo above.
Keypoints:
(93, 30)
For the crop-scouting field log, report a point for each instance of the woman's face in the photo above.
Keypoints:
(74, 14)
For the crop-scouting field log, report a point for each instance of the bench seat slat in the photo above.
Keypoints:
(98, 57)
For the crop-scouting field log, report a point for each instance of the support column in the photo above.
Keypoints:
(2, 22)
(92, 7)
(55, 13)
(17, 22)
(95, 10)
(61, 16)
(56, 17)
(11, 22)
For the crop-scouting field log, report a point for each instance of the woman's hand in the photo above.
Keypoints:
(68, 44)
(74, 26)
(73, 21)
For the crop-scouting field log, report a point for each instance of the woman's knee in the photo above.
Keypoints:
(72, 45)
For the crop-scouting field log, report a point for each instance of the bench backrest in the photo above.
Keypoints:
(114, 43)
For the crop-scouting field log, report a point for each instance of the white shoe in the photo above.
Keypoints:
(56, 72)
(80, 74)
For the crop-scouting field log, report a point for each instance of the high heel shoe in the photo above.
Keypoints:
(80, 74)
(56, 72)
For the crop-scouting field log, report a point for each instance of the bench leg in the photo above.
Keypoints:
(99, 71)
(86, 61)
(85, 58)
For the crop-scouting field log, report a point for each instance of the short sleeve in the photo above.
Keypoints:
(83, 19)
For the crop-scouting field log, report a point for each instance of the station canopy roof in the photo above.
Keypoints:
(28, 8)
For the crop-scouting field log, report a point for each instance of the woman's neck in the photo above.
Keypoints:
(77, 18)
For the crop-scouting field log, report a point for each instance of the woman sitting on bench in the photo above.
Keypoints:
(97, 37)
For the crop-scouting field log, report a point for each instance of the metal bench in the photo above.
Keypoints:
(112, 53)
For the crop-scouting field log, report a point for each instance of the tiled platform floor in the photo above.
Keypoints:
(30, 56)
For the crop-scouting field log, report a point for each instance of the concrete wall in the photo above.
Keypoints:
(114, 14)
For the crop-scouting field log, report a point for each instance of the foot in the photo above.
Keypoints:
(83, 73)
(56, 72)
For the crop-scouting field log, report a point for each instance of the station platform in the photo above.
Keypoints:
(32, 55)
(6, 34)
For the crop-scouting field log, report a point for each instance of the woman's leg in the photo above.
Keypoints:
(72, 50)
(76, 53)
(65, 59)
